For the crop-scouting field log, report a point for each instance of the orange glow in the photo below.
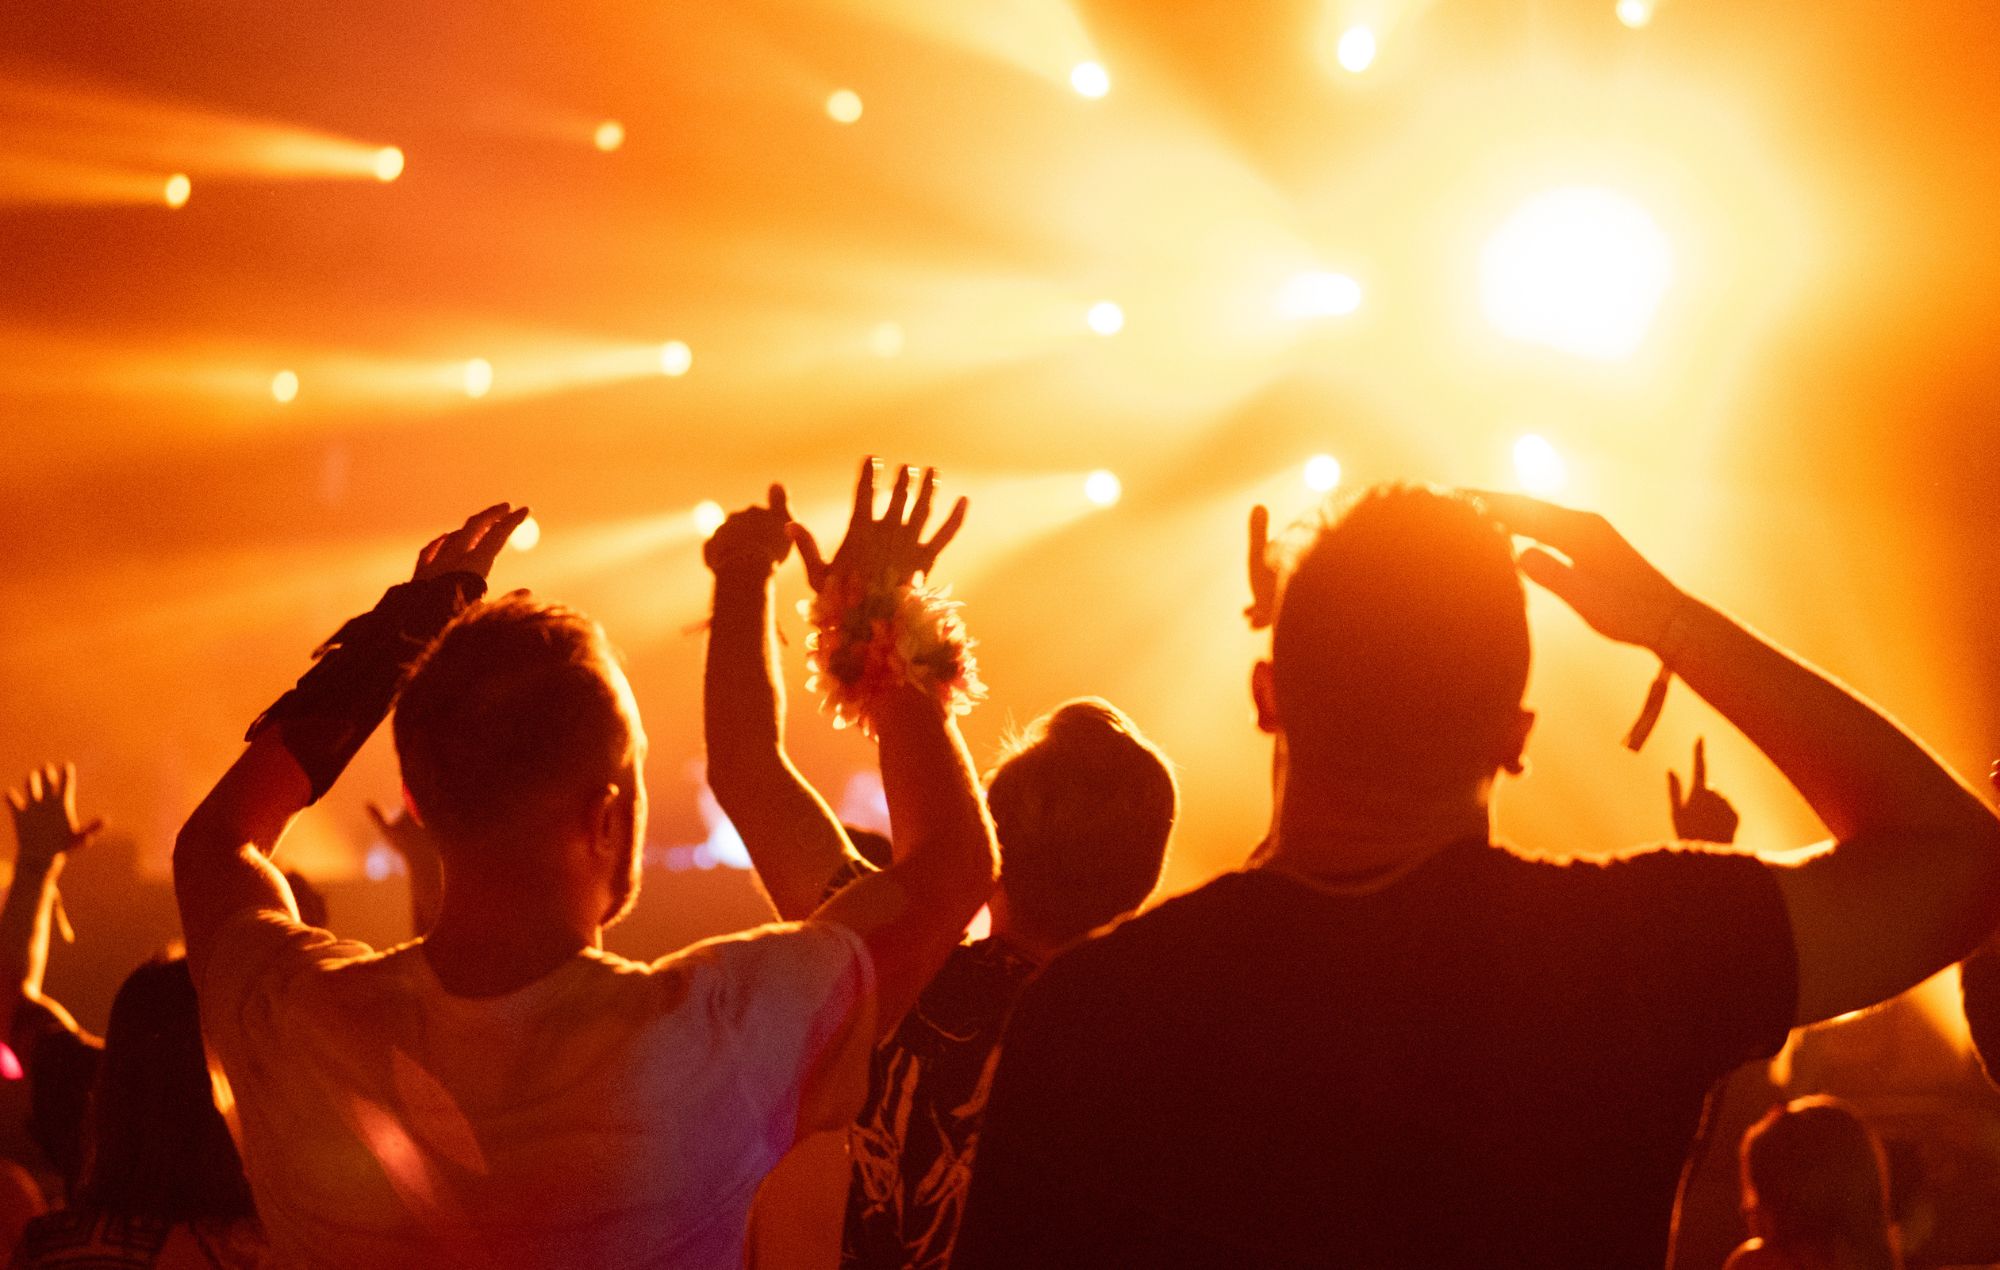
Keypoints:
(526, 536)
(1582, 270)
(1103, 488)
(284, 386)
(1322, 473)
(1105, 318)
(708, 516)
(676, 359)
(1356, 49)
(388, 164)
(1090, 79)
(177, 191)
(610, 135)
(844, 106)
(478, 377)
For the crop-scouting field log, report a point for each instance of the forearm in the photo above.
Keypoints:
(25, 921)
(937, 814)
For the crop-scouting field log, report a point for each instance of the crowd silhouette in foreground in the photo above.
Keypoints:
(1387, 1041)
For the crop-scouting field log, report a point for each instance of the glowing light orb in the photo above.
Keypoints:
(388, 164)
(1103, 487)
(1635, 13)
(478, 377)
(886, 340)
(1356, 50)
(676, 358)
(708, 517)
(1579, 269)
(1090, 79)
(843, 106)
(1319, 294)
(526, 535)
(1538, 467)
(1105, 317)
(284, 386)
(177, 190)
(609, 135)
(1322, 473)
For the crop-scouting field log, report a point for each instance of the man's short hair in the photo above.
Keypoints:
(1400, 648)
(1083, 805)
(512, 718)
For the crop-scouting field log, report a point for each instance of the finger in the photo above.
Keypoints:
(779, 503)
(864, 494)
(381, 821)
(1546, 522)
(17, 800)
(52, 779)
(82, 837)
(946, 532)
(34, 787)
(1700, 765)
(431, 549)
(484, 517)
(808, 553)
(1260, 546)
(899, 496)
(920, 511)
(68, 776)
(1674, 790)
(1547, 570)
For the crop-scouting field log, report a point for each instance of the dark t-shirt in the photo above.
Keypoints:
(1493, 1062)
(1979, 988)
(61, 1066)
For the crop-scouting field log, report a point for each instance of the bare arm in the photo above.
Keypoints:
(1911, 882)
(45, 832)
(795, 841)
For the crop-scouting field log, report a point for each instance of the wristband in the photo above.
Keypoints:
(1669, 646)
(338, 704)
(868, 638)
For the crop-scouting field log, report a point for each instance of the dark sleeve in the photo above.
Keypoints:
(61, 1067)
(1702, 941)
(1979, 984)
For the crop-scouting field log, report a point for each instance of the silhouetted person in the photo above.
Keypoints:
(1979, 988)
(503, 1092)
(1397, 1044)
(1815, 1192)
(1083, 806)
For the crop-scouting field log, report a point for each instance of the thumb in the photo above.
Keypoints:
(1549, 571)
(381, 821)
(83, 835)
(808, 552)
(1674, 790)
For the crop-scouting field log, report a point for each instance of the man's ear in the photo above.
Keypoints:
(609, 825)
(1264, 693)
(1513, 758)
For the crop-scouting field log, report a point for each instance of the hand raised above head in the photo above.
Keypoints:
(44, 808)
(1597, 573)
(1701, 814)
(892, 545)
(755, 538)
(472, 547)
(1263, 609)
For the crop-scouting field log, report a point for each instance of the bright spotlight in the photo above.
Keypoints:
(177, 190)
(843, 106)
(1090, 79)
(1537, 465)
(526, 535)
(1578, 269)
(886, 340)
(478, 377)
(1319, 294)
(1103, 487)
(284, 386)
(388, 164)
(1322, 473)
(675, 359)
(1356, 49)
(708, 517)
(609, 135)
(1106, 318)
(1635, 13)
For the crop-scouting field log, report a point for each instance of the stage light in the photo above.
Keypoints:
(1579, 269)
(708, 517)
(1103, 487)
(1356, 49)
(609, 135)
(844, 106)
(1090, 79)
(1319, 294)
(284, 386)
(1106, 318)
(1537, 465)
(1635, 13)
(478, 377)
(177, 190)
(675, 359)
(1322, 473)
(388, 164)
(526, 535)
(886, 340)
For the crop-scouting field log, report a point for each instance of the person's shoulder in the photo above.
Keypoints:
(1755, 1254)
(1135, 947)
(1659, 866)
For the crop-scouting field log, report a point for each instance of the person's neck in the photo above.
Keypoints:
(1368, 837)
(488, 943)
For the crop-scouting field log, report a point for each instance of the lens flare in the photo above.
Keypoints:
(1581, 270)
(1105, 317)
(284, 386)
(1539, 468)
(708, 517)
(886, 340)
(526, 535)
(478, 377)
(1635, 13)
(1322, 473)
(1090, 79)
(177, 191)
(388, 164)
(609, 135)
(843, 106)
(1319, 294)
(676, 359)
(1356, 49)
(1103, 487)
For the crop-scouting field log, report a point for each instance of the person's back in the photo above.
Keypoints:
(1815, 1192)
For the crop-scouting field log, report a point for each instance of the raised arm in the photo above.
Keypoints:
(795, 841)
(299, 747)
(1911, 882)
(46, 830)
(913, 913)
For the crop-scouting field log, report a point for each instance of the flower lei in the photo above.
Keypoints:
(869, 636)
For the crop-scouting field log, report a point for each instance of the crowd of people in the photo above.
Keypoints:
(1389, 1040)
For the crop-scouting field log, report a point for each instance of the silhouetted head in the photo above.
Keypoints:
(522, 752)
(1814, 1182)
(154, 1144)
(1400, 650)
(1083, 805)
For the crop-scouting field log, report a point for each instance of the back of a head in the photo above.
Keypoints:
(1815, 1174)
(1400, 647)
(517, 713)
(1083, 805)
(155, 1145)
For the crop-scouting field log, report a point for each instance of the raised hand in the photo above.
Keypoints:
(1702, 815)
(1263, 607)
(892, 545)
(473, 546)
(755, 538)
(1597, 573)
(44, 808)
